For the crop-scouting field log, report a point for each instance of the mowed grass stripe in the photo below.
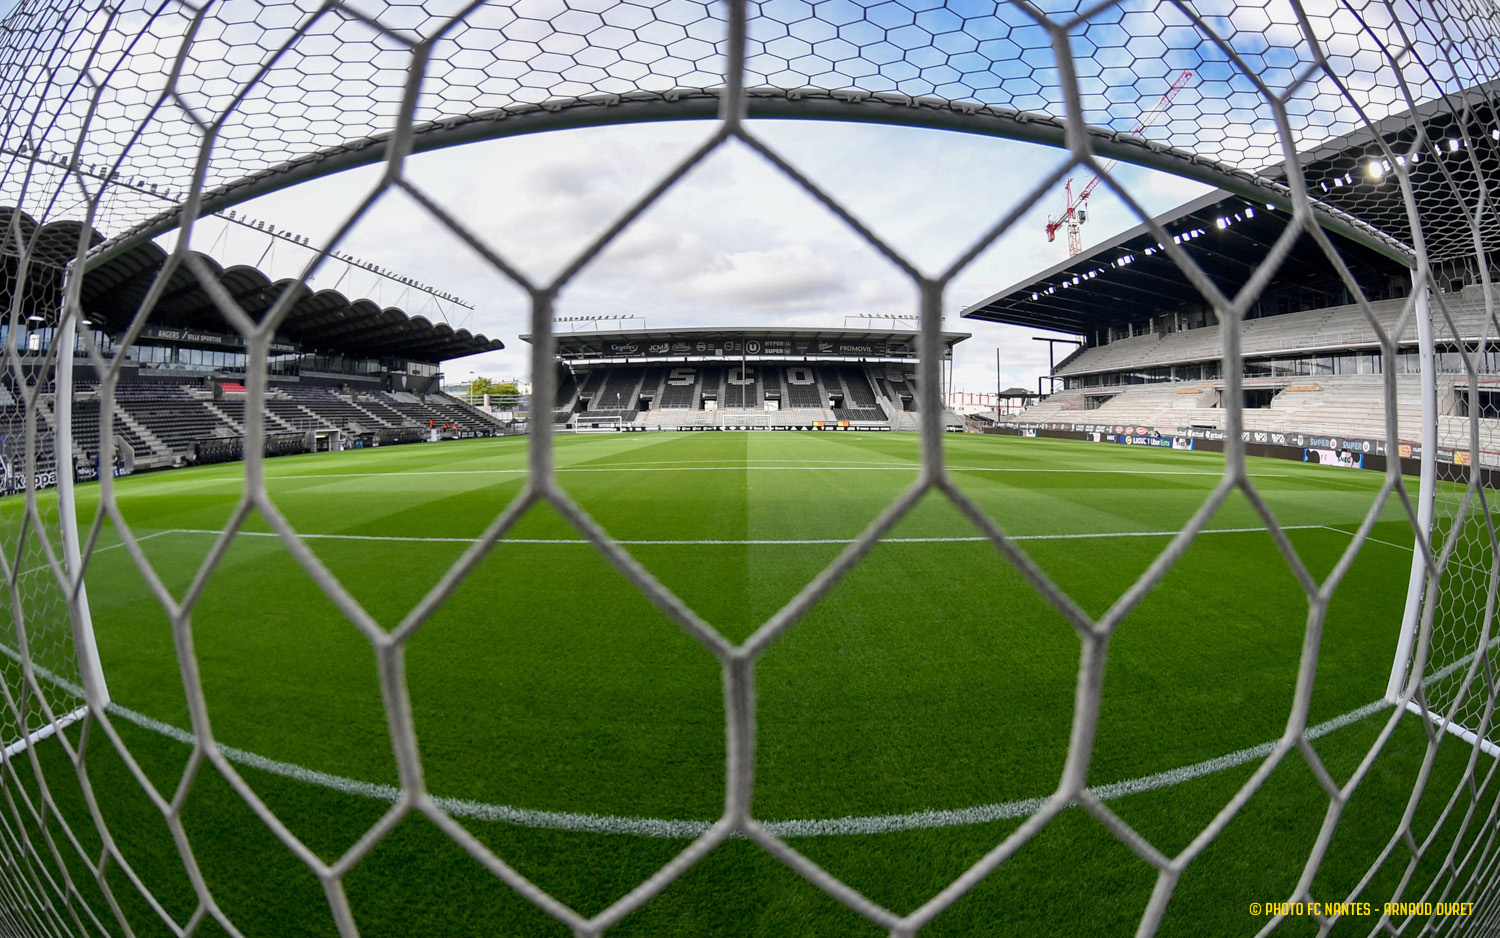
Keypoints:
(932, 676)
(561, 651)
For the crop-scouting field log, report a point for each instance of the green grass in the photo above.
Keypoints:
(932, 677)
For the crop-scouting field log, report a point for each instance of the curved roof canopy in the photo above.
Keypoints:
(1131, 277)
(323, 320)
(1448, 149)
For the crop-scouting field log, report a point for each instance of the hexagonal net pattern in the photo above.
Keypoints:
(122, 116)
(1463, 654)
(32, 549)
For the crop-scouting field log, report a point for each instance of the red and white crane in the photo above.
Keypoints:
(1076, 212)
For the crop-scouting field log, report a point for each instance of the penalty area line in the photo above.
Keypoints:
(749, 542)
(740, 467)
(687, 829)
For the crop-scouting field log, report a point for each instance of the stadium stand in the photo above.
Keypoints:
(680, 390)
(711, 386)
(380, 410)
(179, 393)
(903, 390)
(293, 415)
(750, 378)
(86, 431)
(860, 404)
(591, 384)
(742, 395)
(1337, 328)
(770, 385)
(802, 389)
(1150, 355)
(739, 379)
(162, 420)
(333, 409)
(651, 385)
(618, 392)
(567, 390)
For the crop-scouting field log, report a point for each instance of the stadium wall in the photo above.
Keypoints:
(1295, 447)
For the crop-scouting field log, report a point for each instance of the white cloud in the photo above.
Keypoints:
(734, 243)
(782, 278)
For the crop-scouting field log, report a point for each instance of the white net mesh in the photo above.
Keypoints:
(136, 119)
(32, 546)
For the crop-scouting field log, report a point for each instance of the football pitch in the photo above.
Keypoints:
(905, 725)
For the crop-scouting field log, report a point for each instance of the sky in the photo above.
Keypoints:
(734, 243)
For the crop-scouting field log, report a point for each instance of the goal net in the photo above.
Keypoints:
(126, 122)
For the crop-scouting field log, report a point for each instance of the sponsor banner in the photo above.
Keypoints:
(1200, 432)
(1323, 442)
(1452, 454)
(1134, 439)
(1180, 443)
(87, 471)
(1364, 447)
(198, 337)
(1120, 433)
(1266, 437)
(817, 425)
(1334, 457)
(15, 481)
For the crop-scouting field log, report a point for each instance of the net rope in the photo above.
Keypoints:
(116, 114)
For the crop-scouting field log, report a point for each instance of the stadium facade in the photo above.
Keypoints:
(713, 378)
(343, 372)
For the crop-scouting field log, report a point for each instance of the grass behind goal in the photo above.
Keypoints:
(549, 695)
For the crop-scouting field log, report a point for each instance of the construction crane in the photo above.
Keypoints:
(1076, 212)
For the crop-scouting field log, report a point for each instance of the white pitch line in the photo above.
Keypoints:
(748, 542)
(888, 467)
(97, 550)
(683, 829)
(1371, 539)
(1410, 548)
(1008, 810)
(744, 468)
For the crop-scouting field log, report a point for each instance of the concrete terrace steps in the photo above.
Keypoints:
(1352, 405)
(1290, 333)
